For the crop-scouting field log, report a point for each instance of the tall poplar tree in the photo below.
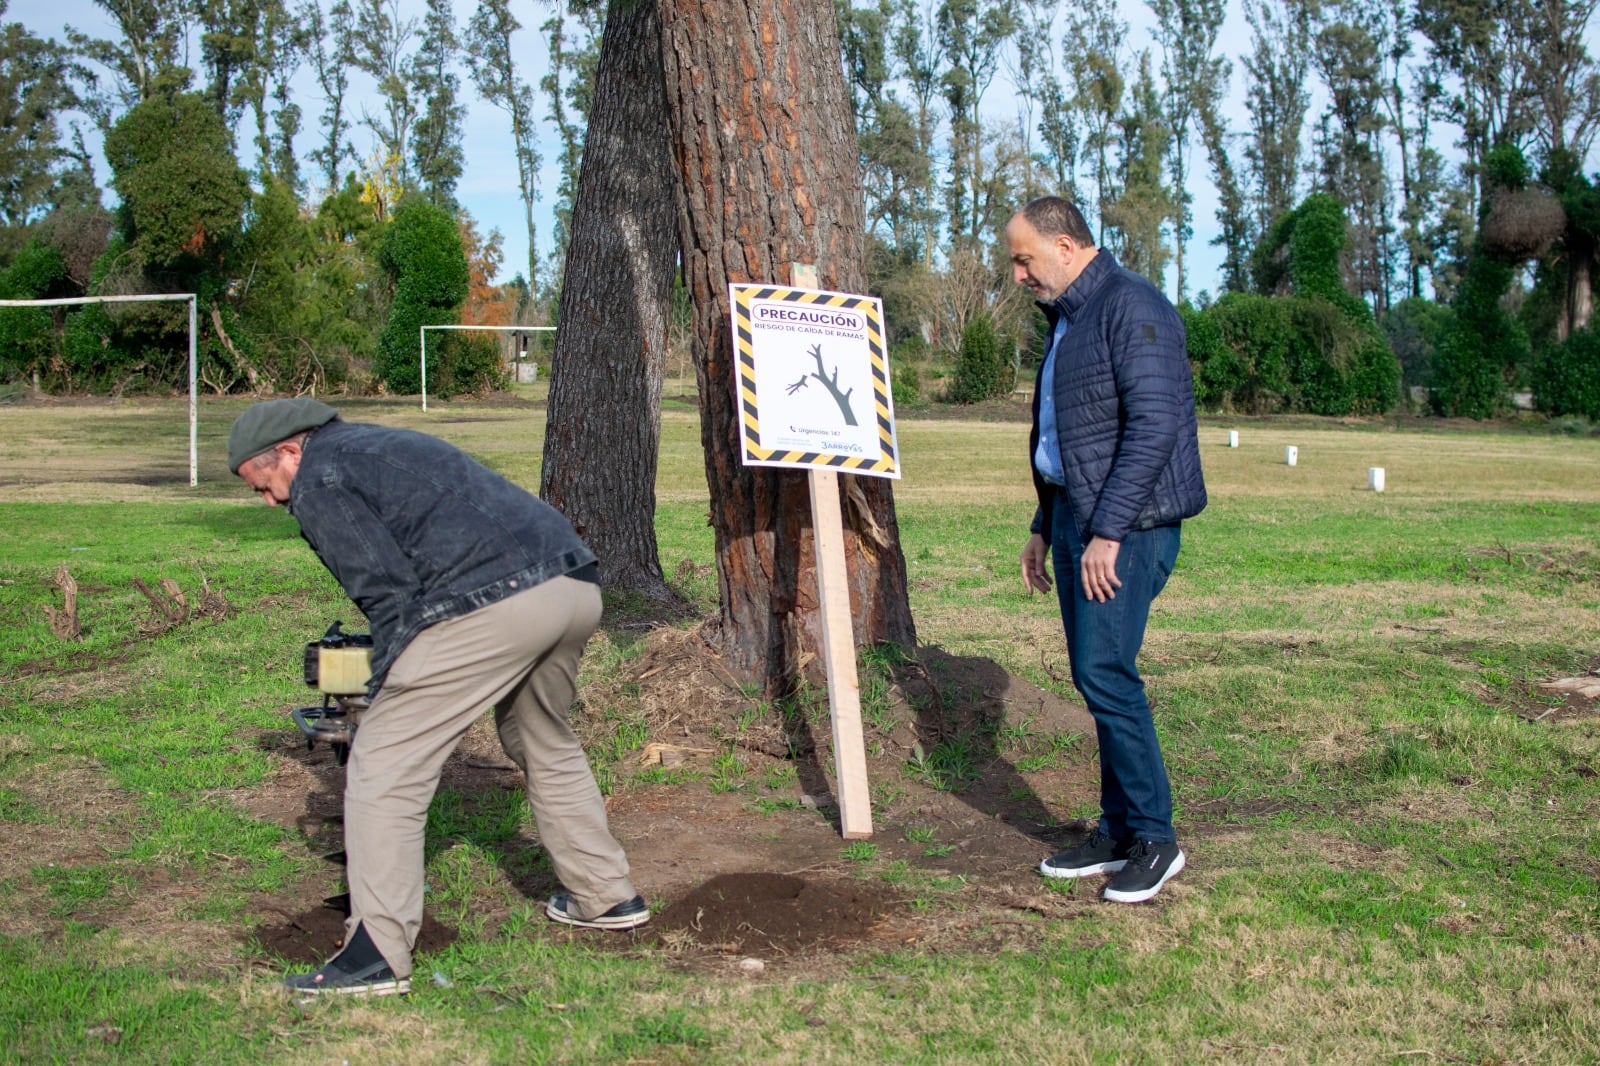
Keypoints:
(1233, 213)
(382, 46)
(1137, 213)
(1094, 42)
(972, 35)
(916, 47)
(1187, 32)
(149, 55)
(1277, 98)
(1046, 112)
(894, 166)
(34, 92)
(494, 72)
(436, 139)
(568, 85)
(1473, 44)
(329, 44)
(1348, 54)
(1563, 83)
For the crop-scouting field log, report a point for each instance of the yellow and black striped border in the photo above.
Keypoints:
(886, 463)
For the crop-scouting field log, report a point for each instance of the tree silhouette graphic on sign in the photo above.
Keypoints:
(832, 385)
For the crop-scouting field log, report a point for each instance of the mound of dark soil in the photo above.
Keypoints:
(773, 914)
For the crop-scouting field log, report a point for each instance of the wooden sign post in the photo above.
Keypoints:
(839, 654)
(836, 415)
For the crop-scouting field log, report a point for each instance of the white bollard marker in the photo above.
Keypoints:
(1291, 455)
(1233, 438)
(1375, 478)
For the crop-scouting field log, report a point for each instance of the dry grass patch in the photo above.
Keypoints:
(352, 1032)
(1333, 463)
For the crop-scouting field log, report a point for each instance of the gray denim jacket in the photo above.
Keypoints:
(416, 531)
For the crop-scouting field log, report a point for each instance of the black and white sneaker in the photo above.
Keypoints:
(1149, 866)
(629, 914)
(1097, 855)
(358, 970)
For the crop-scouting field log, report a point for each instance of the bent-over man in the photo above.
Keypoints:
(478, 594)
(1116, 465)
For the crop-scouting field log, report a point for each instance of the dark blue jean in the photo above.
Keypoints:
(1103, 641)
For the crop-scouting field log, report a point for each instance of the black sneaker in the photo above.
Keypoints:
(629, 914)
(1097, 855)
(358, 970)
(1149, 866)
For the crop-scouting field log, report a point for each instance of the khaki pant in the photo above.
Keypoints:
(520, 655)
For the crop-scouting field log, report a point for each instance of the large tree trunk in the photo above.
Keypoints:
(611, 335)
(1580, 294)
(768, 175)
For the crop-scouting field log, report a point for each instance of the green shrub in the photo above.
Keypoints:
(1374, 377)
(1252, 376)
(1316, 239)
(1472, 367)
(1566, 378)
(182, 192)
(1269, 354)
(1415, 328)
(1211, 362)
(1468, 376)
(1317, 351)
(983, 364)
(461, 364)
(421, 252)
(906, 377)
(27, 334)
(906, 381)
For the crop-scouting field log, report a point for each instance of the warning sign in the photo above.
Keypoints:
(813, 380)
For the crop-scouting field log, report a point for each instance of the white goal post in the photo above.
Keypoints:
(422, 338)
(194, 410)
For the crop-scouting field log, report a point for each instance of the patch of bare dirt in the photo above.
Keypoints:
(1536, 701)
(752, 862)
(83, 819)
(310, 935)
(740, 856)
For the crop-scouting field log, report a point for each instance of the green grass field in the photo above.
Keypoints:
(1394, 832)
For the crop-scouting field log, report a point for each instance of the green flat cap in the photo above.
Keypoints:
(265, 424)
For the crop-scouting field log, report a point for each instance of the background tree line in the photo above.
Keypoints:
(1397, 190)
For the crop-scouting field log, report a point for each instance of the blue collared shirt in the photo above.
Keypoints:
(1047, 456)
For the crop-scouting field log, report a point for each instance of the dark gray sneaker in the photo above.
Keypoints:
(358, 970)
(1097, 855)
(1149, 866)
(629, 914)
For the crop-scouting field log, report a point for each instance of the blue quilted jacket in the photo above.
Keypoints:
(1124, 407)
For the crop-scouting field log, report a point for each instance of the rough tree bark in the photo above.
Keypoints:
(611, 336)
(768, 175)
(1580, 293)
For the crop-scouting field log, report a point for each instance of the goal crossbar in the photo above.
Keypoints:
(194, 409)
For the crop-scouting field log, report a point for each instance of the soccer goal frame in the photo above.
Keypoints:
(422, 340)
(192, 300)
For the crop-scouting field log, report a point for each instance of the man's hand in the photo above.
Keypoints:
(1035, 574)
(1099, 569)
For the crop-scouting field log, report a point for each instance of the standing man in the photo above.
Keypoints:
(1116, 464)
(478, 594)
